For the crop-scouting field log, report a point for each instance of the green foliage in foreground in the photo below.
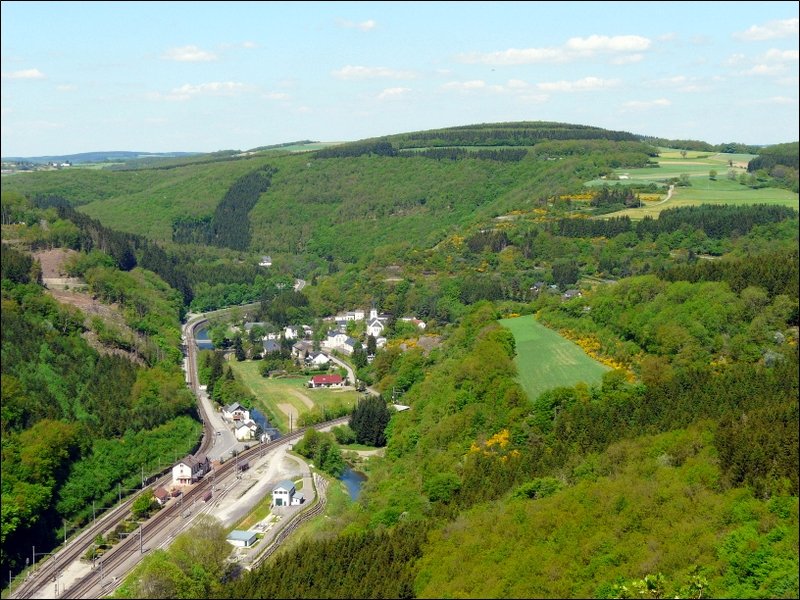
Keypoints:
(192, 568)
(645, 506)
(321, 449)
(364, 565)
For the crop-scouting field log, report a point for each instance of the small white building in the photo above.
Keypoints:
(283, 493)
(335, 340)
(190, 469)
(242, 539)
(290, 333)
(266, 261)
(246, 430)
(235, 412)
(318, 359)
(375, 328)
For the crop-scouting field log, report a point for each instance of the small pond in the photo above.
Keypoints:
(353, 480)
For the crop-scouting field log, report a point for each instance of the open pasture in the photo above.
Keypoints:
(290, 395)
(703, 189)
(546, 360)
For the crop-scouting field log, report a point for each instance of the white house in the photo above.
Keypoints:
(302, 349)
(283, 493)
(189, 470)
(318, 359)
(290, 333)
(375, 327)
(246, 430)
(334, 341)
(414, 321)
(349, 346)
(318, 381)
(241, 539)
(266, 261)
(235, 412)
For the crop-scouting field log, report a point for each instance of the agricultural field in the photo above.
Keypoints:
(703, 190)
(288, 396)
(546, 360)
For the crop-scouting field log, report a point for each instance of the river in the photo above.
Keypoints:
(353, 480)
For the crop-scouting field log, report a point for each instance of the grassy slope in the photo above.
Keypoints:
(546, 360)
(645, 506)
(273, 392)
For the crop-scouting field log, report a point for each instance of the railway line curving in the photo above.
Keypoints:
(95, 583)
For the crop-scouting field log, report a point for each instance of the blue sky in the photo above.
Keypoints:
(206, 76)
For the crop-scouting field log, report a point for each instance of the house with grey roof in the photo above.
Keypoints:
(283, 493)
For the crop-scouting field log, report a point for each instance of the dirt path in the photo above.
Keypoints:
(305, 399)
(289, 411)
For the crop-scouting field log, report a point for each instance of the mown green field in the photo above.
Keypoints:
(703, 189)
(546, 360)
(277, 395)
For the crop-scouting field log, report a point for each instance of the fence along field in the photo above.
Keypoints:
(546, 360)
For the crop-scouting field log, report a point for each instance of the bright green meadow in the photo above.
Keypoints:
(546, 360)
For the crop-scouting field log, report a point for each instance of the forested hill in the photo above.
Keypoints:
(372, 191)
(672, 473)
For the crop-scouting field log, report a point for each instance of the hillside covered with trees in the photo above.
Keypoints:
(675, 476)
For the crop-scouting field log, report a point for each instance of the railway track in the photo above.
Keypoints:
(132, 545)
(47, 571)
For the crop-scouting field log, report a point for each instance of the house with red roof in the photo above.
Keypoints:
(318, 381)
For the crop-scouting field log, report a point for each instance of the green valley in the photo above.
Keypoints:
(602, 389)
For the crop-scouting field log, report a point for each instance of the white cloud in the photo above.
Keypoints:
(517, 84)
(367, 25)
(393, 92)
(770, 31)
(214, 88)
(604, 43)
(646, 104)
(682, 83)
(249, 45)
(782, 55)
(574, 49)
(762, 69)
(24, 74)
(734, 60)
(790, 81)
(514, 56)
(627, 59)
(780, 100)
(68, 87)
(774, 100)
(276, 96)
(189, 54)
(586, 84)
(474, 84)
(534, 98)
(359, 72)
